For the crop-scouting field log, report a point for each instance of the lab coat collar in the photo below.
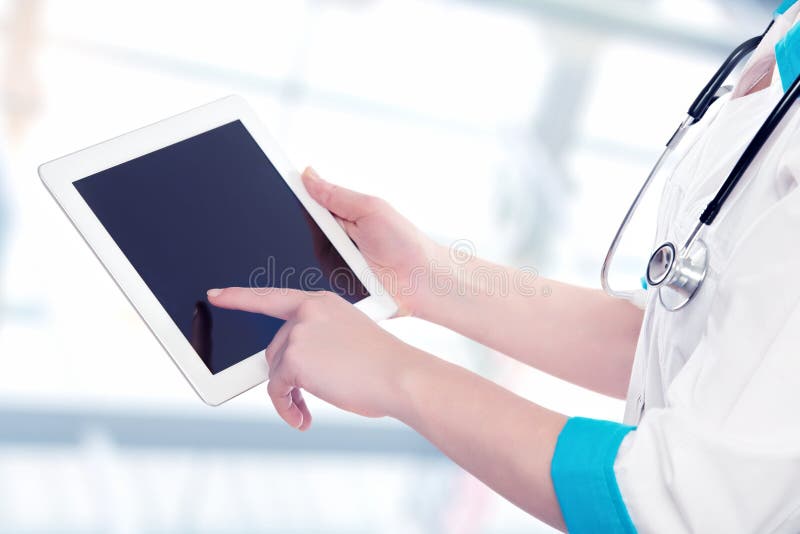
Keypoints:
(762, 63)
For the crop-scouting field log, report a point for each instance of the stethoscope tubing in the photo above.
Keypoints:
(751, 152)
(708, 95)
(612, 250)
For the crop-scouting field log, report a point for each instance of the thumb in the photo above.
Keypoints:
(344, 203)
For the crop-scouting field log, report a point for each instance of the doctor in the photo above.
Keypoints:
(711, 440)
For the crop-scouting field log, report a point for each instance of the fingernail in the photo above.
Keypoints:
(311, 173)
(214, 292)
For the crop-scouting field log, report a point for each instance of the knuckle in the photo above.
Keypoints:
(313, 305)
(272, 357)
(290, 354)
(296, 335)
(275, 369)
(272, 387)
(305, 310)
(328, 193)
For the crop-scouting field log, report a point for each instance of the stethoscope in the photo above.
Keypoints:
(678, 273)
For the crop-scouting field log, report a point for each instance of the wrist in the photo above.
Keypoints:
(447, 286)
(438, 284)
(404, 380)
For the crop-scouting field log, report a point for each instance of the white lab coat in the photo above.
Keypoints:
(715, 387)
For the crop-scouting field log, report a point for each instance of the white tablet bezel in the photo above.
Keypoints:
(58, 176)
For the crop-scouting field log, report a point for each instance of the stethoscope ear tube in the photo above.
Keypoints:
(751, 152)
(707, 95)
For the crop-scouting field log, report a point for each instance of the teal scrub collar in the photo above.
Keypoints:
(787, 56)
(787, 50)
(784, 7)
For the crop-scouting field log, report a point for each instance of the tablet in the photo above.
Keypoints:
(201, 200)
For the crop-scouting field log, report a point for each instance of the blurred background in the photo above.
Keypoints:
(524, 126)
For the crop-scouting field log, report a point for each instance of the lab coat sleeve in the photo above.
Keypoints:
(724, 454)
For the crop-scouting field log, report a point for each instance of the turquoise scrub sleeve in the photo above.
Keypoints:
(787, 56)
(582, 470)
(784, 7)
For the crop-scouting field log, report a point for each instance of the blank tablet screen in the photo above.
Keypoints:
(211, 211)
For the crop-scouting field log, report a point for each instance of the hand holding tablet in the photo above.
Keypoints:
(202, 200)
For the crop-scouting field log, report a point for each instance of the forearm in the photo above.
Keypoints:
(502, 439)
(578, 334)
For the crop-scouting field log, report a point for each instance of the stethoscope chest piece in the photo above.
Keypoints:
(677, 276)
